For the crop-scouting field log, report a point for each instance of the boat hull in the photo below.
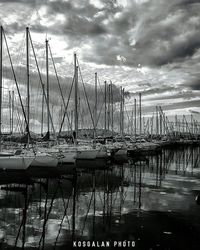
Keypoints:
(102, 154)
(67, 158)
(44, 161)
(87, 154)
(15, 162)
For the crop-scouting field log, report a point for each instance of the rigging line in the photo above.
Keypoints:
(116, 196)
(40, 96)
(99, 114)
(18, 233)
(62, 220)
(39, 92)
(101, 104)
(23, 220)
(15, 79)
(66, 106)
(87, 213)
(51, 206)
(19, 121)
(70, 72)
(64, 205)
(99, 85)
(15, 129)
(89, 81)
(167, 121)
(86, 95)
(58, 81)
(20, 49)
(45, 212)
(42, 84)
(100, 199)
(127, 115)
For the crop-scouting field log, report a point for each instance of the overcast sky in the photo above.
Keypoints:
(148, 46)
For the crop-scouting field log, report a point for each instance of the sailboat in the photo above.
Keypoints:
(79, 152)
(85, 152)
(7, 160)
(51, 156)
(44, 158)
(16, 162)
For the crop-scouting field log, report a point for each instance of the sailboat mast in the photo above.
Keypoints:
(12, 111)
(121, 111)
(140, 113)
(135, 118)
(105, 111)
(28, 83)
(42, 118)
(109, 108)
(1, 76)
(112, 116)
(95, 110)
(28, 76)
(47, 75)
(76, 95)
(132, 121)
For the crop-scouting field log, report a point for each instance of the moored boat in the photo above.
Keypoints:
(15, 162)
(44, 160)
(86, 154)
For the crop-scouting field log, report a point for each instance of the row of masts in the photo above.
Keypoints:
(130, 122)
(157, 125)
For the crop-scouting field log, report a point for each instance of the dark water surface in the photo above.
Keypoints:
(149, 202)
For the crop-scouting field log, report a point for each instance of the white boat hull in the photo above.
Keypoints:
(102, 154)
(121, 152)
(44, 161)
(87, 154)
(15, 162)
(79, 153)
(67, 157)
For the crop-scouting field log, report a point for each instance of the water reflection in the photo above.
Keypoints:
(150, 200)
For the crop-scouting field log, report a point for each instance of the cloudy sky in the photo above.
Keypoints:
(147, 46)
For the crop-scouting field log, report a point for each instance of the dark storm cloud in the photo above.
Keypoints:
(193, 83)
(84, 9)
(165, 34)
(170, 35)
(161, 35)
(187, 2)
(80, 26)
(152, 33)
(79, 21)
(29, 2)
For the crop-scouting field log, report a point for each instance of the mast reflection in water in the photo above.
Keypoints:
(150, 201)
